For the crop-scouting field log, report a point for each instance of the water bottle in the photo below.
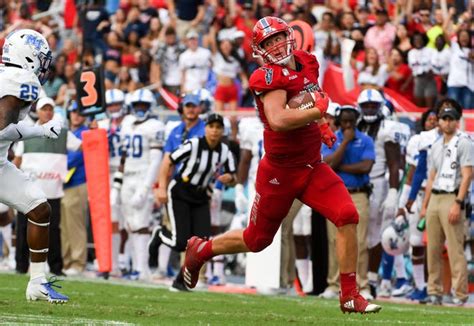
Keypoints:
(421, 225)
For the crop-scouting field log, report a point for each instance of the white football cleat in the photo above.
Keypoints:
(43, 290)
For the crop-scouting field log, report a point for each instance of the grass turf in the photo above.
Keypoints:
(112, 303)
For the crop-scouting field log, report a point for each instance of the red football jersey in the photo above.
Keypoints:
(298, 146)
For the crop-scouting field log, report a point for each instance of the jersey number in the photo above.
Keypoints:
(28, 93)
(114, 145)
(134, 145)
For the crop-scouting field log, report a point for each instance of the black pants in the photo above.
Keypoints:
(55, 260)
(189, 215)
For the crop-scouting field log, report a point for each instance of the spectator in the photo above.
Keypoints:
(402, 40)
(113, 55)
(372, 74)
(118, 22)
(444, 205)
(185, 15)
(195, 64)
(363, 24)
(381, 36)
(45, 161)
(461, 70)
(151, 39)
(74, 206)
(421, 21)
(419, 60)
(165, 68)
(326, 38)
(400, 78)
(440, 62)
(94, 21)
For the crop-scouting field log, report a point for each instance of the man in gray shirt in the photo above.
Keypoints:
(450, 174)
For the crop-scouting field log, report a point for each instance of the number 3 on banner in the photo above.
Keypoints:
(91, 98)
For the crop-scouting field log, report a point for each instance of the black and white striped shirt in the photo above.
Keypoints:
(201, 164)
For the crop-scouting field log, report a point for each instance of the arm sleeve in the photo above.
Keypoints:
(420, 175)
(19, 149)
(21, 131)
(155, 159)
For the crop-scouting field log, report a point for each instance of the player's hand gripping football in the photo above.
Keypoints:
(321, 102)
(52, 129)
(327, 136)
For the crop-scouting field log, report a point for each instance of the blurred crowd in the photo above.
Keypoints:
(422, 49)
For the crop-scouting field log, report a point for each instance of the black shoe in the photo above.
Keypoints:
(153, 247)
(373, 290)
(178, 284)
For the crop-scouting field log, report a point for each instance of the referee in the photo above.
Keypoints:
(203, 161)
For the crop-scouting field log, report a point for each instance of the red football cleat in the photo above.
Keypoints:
(192, 261)
(357, 303)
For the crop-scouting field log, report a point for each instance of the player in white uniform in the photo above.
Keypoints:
(115, 111)
(389, 141)
(26, 57)
(143, 138)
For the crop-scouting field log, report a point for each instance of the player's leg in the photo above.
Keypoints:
(302, 236)
(325, 192)
(26, 197)
(271, 204)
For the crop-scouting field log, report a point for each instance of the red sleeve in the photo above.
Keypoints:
(265, 79)
(405, 70)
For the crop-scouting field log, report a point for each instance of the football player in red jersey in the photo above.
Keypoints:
(292, 166)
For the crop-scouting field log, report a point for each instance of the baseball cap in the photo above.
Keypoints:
(214, 117)
(45, 101)
(191, 99)
(449, 112)
(192, 34)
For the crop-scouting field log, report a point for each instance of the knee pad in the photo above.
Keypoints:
(257, 243)
(40, 215)
(347, 215)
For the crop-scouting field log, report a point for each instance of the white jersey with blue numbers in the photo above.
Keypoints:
(138, 139)
(412, 150)
(251, 138)
(23, 85)
(115, 140)
(389, 131)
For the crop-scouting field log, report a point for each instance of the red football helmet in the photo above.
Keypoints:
(267, 27)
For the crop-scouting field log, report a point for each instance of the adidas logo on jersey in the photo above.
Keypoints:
(305, 80)
(274, 181)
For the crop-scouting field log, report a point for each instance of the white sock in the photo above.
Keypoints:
(37, 271)
(308, 286)
(386, 284)
(7, 235)
(141, 253)
(373, 277)
(164, 258)
(219, 266)
(419, 276)
(302, 267)
(399, 265)
(115, 251)
(123, 261)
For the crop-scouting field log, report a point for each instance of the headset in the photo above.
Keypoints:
(338, 113)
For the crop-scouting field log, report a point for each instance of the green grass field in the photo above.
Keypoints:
(114, 303)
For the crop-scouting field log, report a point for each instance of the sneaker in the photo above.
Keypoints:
(357, 303)
(329, 294)
(432, 300)
(154, 246)
(373, 289)
(384, 290)
(447, 299)
(216, 280)
(366, 294)
(43, 290)
(403, 290)
(458, 302)
(132, 276)
(192, 261)
(72, 272)
(418, 295)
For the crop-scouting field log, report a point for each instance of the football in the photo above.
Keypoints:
(302, 101)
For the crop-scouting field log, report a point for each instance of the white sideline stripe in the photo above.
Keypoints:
(6, 317)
